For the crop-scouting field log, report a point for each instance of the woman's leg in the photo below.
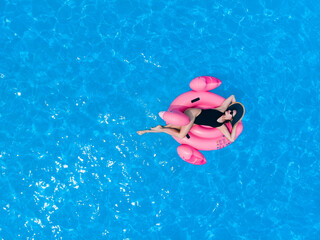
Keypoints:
(160, 128)
(153, 129)
(176, 131)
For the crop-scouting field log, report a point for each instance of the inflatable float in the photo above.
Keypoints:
(200, 137)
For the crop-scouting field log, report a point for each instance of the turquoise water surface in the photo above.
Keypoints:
(79, 78)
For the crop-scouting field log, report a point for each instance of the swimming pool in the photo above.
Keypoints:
(79, 78)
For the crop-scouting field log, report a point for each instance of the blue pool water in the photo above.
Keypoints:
(79, 78)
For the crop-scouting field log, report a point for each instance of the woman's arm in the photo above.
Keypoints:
(231, 137)
(226, 103)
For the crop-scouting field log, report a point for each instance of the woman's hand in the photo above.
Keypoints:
(230, 136)
(233, 100)
(226, 103)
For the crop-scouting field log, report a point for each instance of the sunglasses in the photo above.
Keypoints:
(231, 112)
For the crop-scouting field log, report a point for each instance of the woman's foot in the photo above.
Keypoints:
(159, 127)
(142, 132)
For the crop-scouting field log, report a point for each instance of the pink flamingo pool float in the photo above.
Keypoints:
(199, 137)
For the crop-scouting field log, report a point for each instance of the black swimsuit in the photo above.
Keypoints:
(209, 117)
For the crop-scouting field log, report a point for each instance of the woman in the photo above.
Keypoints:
(209, 117)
